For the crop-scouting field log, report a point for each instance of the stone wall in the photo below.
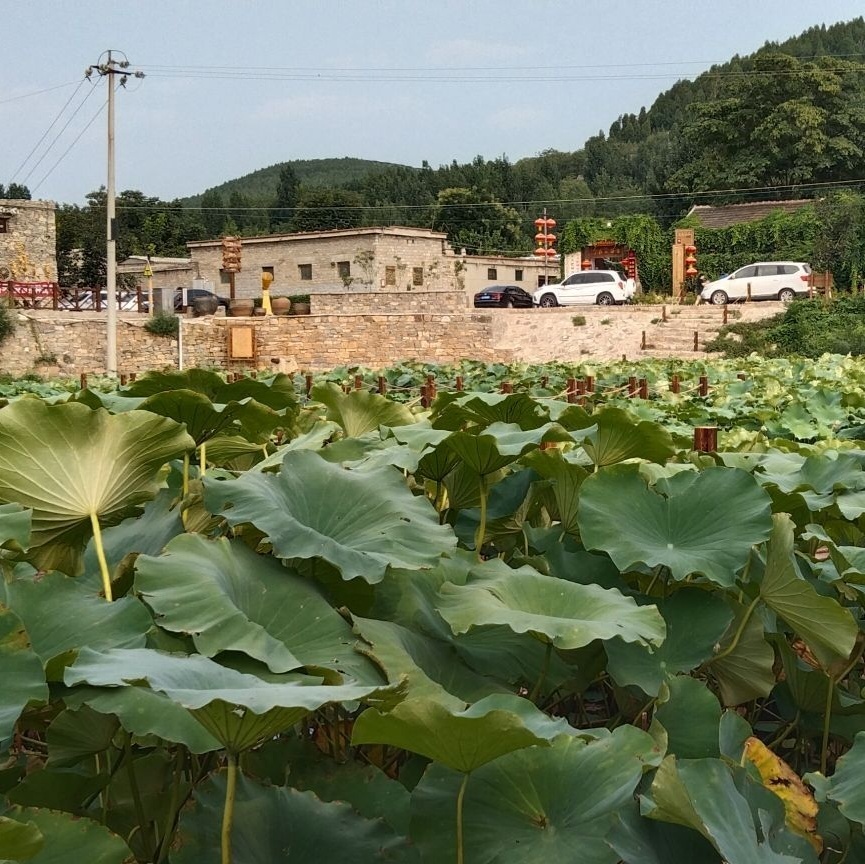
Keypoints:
(391, 302)
(28, 241)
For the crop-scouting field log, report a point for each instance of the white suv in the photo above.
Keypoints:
(604, 287)
(769, 280)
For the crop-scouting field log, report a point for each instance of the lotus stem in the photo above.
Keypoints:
(536, 690)
(171, 815)
(482, 524)
(100, 557)
(228, 811)
(827, 718)
(185, 474)
(133, 786)
(739, 631)
(202, 459)
(460, 796)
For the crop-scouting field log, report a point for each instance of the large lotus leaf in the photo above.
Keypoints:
(62, 614)
(277, 392)
(821, 621)
(462, 740)
(203, 381)
(823, 474)
(616, 436)
(146, 712)
(638, 840)
(230, 599)
(360, 411)
(567, 614)
(361, 523)
(695, 622)
(369, 452)
(312, 439)
(19, 841)
(71, 838)
(70, 465)
(14, 526)
(237, 708)
(78, 734)
(431, 667)
(535, 806)
(566, 477)
(702, 523)
(482, 409)
(500, 444)
(743, 820)
(23, 680)
(747, 671)
(204, 420)
(845, 786)
(690, 715)
(280, 825)
(435, 462)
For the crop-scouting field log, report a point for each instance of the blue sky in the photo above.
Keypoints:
(378, 79)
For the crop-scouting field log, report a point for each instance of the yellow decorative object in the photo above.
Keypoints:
(778, 777)
(266, 279)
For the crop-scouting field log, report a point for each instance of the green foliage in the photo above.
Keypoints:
(578, 320)
(163, 324)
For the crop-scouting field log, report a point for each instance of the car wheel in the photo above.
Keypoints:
(509, 304)
(719, 298)
(605, 299)
(549, 300)
(785, 295)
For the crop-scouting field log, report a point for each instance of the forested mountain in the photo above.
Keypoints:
(786, 121)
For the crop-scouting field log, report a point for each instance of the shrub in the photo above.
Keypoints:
(163, 324)
(606, 321)
(578, 320)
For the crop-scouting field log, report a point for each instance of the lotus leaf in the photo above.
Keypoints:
(361, 523)
(616, 436)
(704, 523)
(14, 526)
(360, 412)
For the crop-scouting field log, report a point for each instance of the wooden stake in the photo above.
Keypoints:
(308, 384)
(581, 392)
(545, 381)
(507, 387)
(664, 313)
(644, 388)
(675, 386)
(572, 390)
(123, 379)
(424, 401)
(358, 382)
(83, 380)
(643, 341)
(704, 385)
(696, 340)
(633, 387)
(382, 385)
(590, 383)
(724, 314)
(459, 383)
(705, 439)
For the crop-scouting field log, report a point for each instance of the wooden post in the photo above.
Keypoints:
(431, 388)
(748, 293)
(346, 388)
(624, 358)
(696, 340)
(83, 380)
(423, 396)
(132, 376)
(643, 341)
(545, 381)
(459, 383)
(382, 385)
(55, 296)
(123, 379)
(507, 387)
(663, 313)
(138, 301)
(704, 385)
(253, 373)
(590, 383)
(581, 392)
(358, 382)
(644, 388)
(675, 386)
(633, 387)
(705, 439)
(741, 376)
(572, 390)
(724, 314)
(308, 384)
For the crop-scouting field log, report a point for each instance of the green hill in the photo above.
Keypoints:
(260, 185)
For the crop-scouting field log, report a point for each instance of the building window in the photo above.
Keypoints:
(224, 277)
(390, 275)
(518, 275)
(417, 275)
(305, 271)
(267, 270)
(4, 224)
(492, 274)
(343, 269)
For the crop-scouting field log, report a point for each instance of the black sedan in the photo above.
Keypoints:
(194, 293)
(503, 296)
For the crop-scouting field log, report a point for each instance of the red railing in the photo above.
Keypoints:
(49, 295)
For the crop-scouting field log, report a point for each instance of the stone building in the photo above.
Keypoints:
(28, 241)
(529, 273)
(352, 260)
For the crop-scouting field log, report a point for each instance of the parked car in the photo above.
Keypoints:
(506, 296)
(192, 294)
(604, 287)
(769, 280)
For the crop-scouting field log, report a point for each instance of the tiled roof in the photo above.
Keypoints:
(735, 214)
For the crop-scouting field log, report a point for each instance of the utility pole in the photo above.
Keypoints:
(108, 69)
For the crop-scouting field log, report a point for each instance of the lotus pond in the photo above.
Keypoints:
(240, 622)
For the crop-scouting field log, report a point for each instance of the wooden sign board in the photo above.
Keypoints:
(241, 342)
(685, 236)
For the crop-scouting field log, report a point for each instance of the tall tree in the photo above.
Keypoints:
(287, 190)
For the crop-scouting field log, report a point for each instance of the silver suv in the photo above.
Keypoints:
(765, 280)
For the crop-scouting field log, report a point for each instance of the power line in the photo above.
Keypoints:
(50, 127)
(37, 92)
(90, 122)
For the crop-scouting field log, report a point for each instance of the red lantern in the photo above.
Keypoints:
(691, 271)
(690, 249)
(540, 223)
(551, 223)
(551, 253)
(540, 237)
(540, 252)
(550, 239)
(586, 265)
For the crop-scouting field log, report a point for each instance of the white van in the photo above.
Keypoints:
(769, 280)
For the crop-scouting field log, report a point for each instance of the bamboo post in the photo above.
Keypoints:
(675, 385)
(644, 388)
(633, 387)
(572, 390)
(581, 392)
(704, 385)
(358, 382)
(705, 439)
(83, 380)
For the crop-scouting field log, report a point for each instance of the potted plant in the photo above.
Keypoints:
(299, 304)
